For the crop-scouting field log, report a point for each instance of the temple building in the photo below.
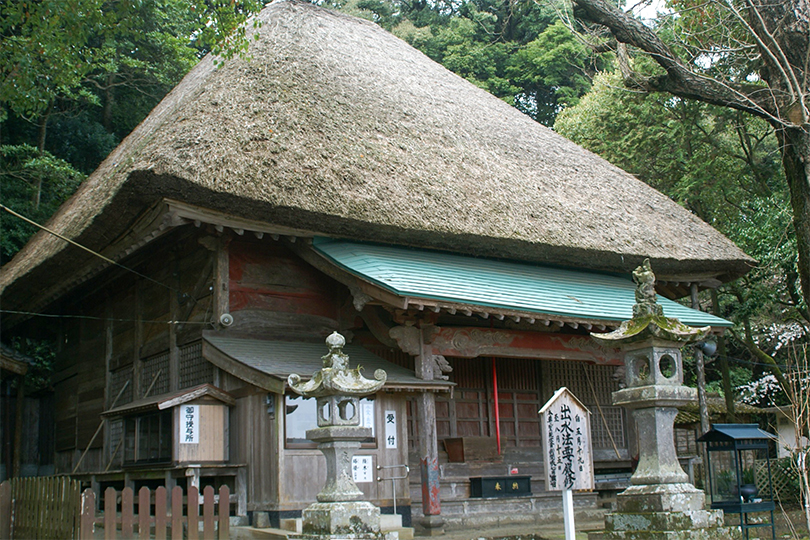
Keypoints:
(336, 179)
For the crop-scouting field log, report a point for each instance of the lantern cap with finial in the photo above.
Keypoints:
(335, 377)
(648, 320)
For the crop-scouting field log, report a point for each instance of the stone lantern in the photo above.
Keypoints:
(339, 512)
(660, 503)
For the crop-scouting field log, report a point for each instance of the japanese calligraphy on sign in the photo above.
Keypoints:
(566, 433)
(189, 424)
(362, 470)
(390, 429)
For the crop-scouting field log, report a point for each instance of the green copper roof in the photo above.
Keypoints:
(498, 284)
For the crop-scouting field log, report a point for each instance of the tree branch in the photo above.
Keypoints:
(680, 79)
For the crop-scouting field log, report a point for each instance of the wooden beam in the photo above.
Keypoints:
(473, 342)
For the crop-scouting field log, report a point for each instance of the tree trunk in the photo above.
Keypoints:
(43, 131)
(795, 144)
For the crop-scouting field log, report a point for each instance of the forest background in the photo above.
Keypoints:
(76, 76)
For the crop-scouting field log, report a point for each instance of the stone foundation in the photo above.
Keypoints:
(664, 512)
(351, 520)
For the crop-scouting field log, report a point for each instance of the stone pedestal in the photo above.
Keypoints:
(354, 519)
(664, 512)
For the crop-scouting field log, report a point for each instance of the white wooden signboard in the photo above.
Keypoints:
(566, 429)
(566, 432)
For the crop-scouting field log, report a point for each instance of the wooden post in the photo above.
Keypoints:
(208, 513)
(127, 515)
(222, 279)
(88, 514)
(110, 514)
(193, 511)
(428, 445)
(177, 513)
(144, 504)
(160, 513)
(5, 509)
(224, 512)
(701, 374)
(568, 514)
(18, 427)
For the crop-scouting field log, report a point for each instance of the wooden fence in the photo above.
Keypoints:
(54, 508)
(42, 507)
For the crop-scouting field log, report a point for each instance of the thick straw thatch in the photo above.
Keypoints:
(338, 127)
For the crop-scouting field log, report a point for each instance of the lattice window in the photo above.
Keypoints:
(153, 365)
(592, 384)
(116, 430)
(118, 379)
(194, 369)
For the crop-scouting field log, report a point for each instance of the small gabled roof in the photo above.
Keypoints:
(172, 399)
(735, 432)
(335, 127)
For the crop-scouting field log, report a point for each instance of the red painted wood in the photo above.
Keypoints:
(160, 513)
(193, 511)
(431, 505)
(497, 406)
(144, 513)
(110, 514)
(208, 513)
(474, 342)
(127, 512)
(224, 512)
(88, 514)
(177, 513)
(270, 277)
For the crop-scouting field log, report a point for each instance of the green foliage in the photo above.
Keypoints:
(33, 185)
(42, 354)
(515, 51)
(722, 165)
(76, 76)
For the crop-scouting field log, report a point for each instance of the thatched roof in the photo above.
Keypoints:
(337, 127)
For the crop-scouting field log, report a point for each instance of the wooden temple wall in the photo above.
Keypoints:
(524, 385)
(115, 334)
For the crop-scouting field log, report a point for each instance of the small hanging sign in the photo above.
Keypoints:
(566, 430)
(390, 429)
(189, 424)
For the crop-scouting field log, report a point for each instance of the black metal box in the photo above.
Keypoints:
(500, 486)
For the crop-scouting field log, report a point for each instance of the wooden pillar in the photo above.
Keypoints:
(428, 446)
(174, 351)
(222, 278)
(701, 373)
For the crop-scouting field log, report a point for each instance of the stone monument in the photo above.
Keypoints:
(339, 513)
(660, 503)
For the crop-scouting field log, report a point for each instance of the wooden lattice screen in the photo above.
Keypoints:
(118, 379)
(784, 476)
(149, 370)
(591, 384)
(194, 369)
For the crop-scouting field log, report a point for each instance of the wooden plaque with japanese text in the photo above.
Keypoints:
(567, 453)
